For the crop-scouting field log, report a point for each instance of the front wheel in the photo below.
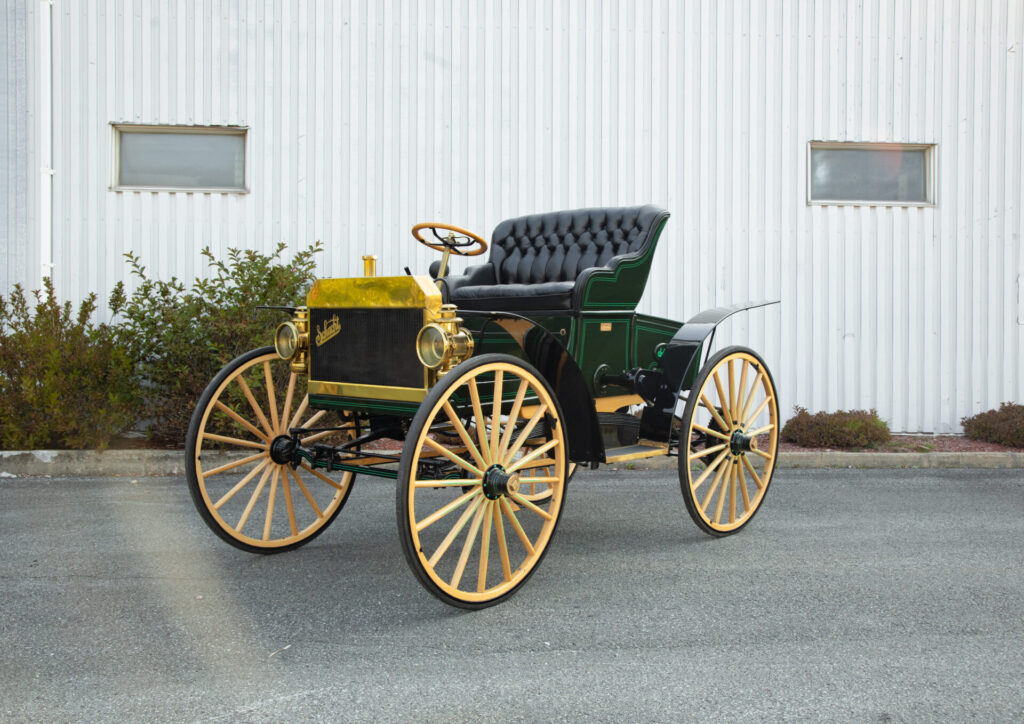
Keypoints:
(473, 540)
(251, 500)
(729, 440)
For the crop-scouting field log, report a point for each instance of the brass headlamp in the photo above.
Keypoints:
(442, 344)
(291, 340)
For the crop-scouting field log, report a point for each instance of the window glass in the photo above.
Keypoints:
(169, 159)
(890, 174)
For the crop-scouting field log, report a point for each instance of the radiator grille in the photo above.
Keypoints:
(372, 346)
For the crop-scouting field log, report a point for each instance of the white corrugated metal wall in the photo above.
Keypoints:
(19, 179)
(368, 116)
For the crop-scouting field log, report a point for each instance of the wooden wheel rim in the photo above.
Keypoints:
(503, 516)
(289, 493)
(719, 481)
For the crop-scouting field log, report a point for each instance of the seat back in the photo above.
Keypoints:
(559, 246)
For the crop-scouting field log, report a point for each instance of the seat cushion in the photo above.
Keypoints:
(514, 297)
(559, 246)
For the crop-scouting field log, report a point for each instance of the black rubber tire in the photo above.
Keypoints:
(192, 478)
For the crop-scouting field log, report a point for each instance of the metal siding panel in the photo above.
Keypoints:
(1013, 234)
(19, 260)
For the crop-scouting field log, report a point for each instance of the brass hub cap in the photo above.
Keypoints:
(498, 483)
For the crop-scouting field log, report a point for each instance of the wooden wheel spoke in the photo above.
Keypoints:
(314, 419)
(525, 434)
(456, 529)
(232, 465)
(743, 489)
(760, 430)
(252, 501)
(753, 473)
(741, 391)
(305, 492)
(270, 505)
(758, 411)
(762, 453)
(467, 547)
(299, 412)
(485, 547)
(254, 405)
(542, 479)
(732, 493)
(707, 471)
(317, 436)
(723, 399)
(712, 433)
(286, 408)
(523, 538)
(721, 495)
(708, 451)
(714, 413)
(478, 414)
(745, 414)
(241, 484)
(288, 500)
(711, 490)
(236, 441)
(446, 509)
(496, 414)
(532, 455)
(536, 463)
(499, 529)
(732, 389)
(513, 419)
(530, 506)
(271, 395)
(241, 421)
(463, 434)
(434, 445)
(321, 476)
(446, 482)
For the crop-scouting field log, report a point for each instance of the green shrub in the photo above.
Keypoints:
(843, 429)
(64, 382)
(179, 337)
(1004, 426)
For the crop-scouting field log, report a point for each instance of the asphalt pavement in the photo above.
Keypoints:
(855, 595)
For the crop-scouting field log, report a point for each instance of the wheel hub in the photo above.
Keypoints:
(497, 482)
(740, 444)
(282, 449)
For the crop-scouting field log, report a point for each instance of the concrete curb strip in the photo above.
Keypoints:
(134, 463)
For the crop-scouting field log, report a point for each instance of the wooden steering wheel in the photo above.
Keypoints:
(459, 241)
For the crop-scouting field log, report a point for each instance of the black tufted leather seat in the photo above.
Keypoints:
(545, 261)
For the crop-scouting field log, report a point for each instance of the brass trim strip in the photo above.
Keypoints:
(370, 392)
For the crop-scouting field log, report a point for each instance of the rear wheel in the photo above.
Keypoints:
(474, 540)
(244, 495)
(729, 441)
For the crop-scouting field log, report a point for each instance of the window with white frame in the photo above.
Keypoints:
(871, 174)
(179, 158)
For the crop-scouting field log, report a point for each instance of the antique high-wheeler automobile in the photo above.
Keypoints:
(481, 394)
